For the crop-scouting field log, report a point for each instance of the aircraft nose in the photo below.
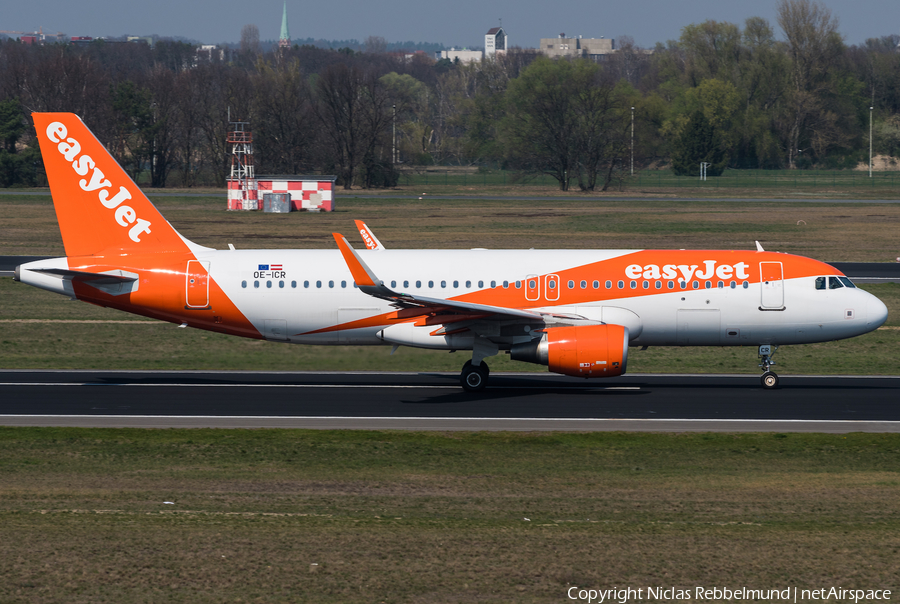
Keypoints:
(876, 312)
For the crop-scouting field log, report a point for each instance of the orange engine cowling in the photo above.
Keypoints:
(589, 351)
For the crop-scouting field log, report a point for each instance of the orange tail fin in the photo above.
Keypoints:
(99, 208)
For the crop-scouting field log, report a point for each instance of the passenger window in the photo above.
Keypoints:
(493, 284)
(293, 284)
(430, 284)
(468, 284)
(820, 282)
(834, 283)
(708, 284)
(455, 284)
(418, 284)
(583, 284)
(609, 285)
(671, 284)
(551, 284)
(306, 284)
(683, 285)
(281, 284)
(659, 285)
(318, 284)
(518, 285)
(733, 284)
(596, 284)
(331, 284)
(268, 284)
(481, 284)
(393, 284)
(621, 284)
(506, 285)
(646, 285)
(256, 284)
(695, 285)
(720, 285)
(745, 285)
(634, 285)
(343, 284)
(244, 284)
(406, 284)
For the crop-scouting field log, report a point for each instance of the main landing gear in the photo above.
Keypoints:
(769, 379)
(474, 377)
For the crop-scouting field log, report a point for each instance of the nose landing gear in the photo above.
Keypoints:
(769, 379)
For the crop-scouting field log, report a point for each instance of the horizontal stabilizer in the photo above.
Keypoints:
(111, 278)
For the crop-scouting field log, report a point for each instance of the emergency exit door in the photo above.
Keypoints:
(197, 284)
(771, 281)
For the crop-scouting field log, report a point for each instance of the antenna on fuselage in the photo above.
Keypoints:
(759, 248)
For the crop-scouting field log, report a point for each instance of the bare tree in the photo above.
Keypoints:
(814, 46)
(376, 44)
(250, 39)
(353, 110)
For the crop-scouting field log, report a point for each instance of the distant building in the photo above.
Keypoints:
(588, 48)
(495, 41)
(148, 40)
(284, 40)
(463, 56)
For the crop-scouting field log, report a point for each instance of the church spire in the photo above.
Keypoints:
(284, 40)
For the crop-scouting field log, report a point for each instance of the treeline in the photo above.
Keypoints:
(729, 95)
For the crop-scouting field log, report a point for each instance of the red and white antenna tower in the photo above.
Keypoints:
(242, 176)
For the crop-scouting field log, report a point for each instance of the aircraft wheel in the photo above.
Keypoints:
(769, 380)
(474, 378)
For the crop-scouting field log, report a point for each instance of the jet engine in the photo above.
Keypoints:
(588, 351)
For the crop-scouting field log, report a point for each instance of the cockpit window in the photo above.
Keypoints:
(834, 283)
(820, 282)
(847, 282)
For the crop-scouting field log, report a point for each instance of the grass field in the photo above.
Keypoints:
(311, 516)
(322, 516)
(767, 182)
(826, 231)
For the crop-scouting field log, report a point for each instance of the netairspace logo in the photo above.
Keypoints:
(713, 594)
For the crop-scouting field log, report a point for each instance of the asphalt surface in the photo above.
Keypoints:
(434, 401)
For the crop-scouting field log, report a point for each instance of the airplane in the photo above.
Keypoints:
(575, 311)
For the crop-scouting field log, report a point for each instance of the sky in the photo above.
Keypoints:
(453, 23)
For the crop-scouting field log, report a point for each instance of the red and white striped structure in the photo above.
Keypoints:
(313, 193)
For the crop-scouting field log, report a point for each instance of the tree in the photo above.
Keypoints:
(698, 142)
(814, 46)
(352, 107)
(567, 120)
(250, 39)
(284, 129)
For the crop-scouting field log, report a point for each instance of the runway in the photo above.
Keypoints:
(434, 401)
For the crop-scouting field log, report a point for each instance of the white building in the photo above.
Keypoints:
(462, 55)
(589, 48)
(495, 41)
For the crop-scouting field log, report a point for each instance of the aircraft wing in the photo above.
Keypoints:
(369, 284)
